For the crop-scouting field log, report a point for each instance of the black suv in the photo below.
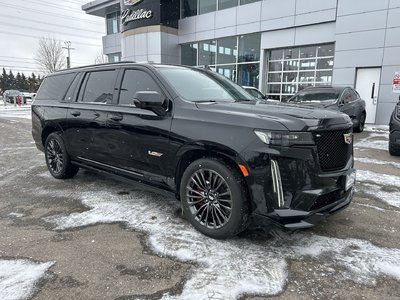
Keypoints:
(394, 131)
(230, 159)
(343, 99)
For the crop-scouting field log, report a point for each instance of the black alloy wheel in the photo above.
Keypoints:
(214, 199)
(57, 159)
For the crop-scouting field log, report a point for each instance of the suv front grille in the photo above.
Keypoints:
(333, 152)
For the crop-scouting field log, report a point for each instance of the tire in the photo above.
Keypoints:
(57, 159)
(361, 123)
(214, 199)
(394, 149)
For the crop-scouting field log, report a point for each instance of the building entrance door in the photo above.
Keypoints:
(367, 85)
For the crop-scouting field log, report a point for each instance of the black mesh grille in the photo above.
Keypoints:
(327, 199)
(333, 151)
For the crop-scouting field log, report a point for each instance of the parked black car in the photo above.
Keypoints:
(394, 131)
(230, 159)
(344, 99)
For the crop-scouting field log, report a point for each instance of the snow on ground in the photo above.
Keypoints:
(376, 128)
(18, 278)
(384, 187)
(230, 268)
(376, 140)
(377, 162)
(11, 111)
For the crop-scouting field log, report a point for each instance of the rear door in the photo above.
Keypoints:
(87, 117)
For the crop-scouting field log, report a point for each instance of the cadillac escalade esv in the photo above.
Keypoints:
(230, 159)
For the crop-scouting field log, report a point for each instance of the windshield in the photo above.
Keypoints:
(315, 96)
(199, 85)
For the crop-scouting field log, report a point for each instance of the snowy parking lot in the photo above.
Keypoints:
(95, 238)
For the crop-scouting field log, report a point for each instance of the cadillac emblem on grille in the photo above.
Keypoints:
(348, 138)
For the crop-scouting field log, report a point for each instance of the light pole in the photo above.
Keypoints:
(68, 47)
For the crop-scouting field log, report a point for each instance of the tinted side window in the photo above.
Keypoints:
(54, 87)
(99, 86)
(72, 89)
(133, 81)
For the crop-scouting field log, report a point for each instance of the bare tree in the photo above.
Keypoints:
(100, 58)
(50, 55)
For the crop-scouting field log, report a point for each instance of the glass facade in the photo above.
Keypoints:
(237, 58)
(293, 69)
(113, 22)
(196, 7)
(114, 57)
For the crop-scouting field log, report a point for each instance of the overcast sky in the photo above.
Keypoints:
(23, 23)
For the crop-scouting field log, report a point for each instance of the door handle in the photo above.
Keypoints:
(76, 113)
(373, 91)
(116, 117)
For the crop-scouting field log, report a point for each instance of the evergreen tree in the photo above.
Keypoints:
(3, 81)
(25, 84)
(11, 81)
(18, 81)
(32, 82)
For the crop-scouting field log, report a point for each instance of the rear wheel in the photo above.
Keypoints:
(57, 159)
(361, 123)
(214, 199)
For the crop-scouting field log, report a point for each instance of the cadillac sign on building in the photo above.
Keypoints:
(141, 13)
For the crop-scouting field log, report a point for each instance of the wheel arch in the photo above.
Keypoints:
(190, 153)
(49, 129)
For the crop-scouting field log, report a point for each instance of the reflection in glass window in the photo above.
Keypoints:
(307, 52)
(293, 69)
(100, 86)
(222, 56)
(113, 22)
(249, 47)
(206, 6)
(242, 2)
(248, 74)
(188, 8)
(134, 81)
(227, 50)
(207, 53)
(228, 71)
(222, 4)
(189, 54)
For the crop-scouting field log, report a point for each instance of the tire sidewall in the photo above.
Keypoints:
(239, 212)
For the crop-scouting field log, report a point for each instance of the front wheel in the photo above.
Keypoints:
(394, 149)
(57, 159)
(214, 198)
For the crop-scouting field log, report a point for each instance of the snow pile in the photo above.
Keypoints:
(18, 278)
(228, 269)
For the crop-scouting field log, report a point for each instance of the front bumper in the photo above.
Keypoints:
(307, 193)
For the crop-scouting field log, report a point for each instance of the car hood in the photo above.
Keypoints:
(292, 117)
(318, 104)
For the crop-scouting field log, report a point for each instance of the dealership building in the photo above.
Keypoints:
(278, 46)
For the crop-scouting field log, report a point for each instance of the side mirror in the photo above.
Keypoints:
(150, 100)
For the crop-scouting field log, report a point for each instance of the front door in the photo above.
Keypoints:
(367, 85)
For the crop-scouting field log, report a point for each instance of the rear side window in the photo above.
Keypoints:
(54, 87)
(99, 86)
(134, 81)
